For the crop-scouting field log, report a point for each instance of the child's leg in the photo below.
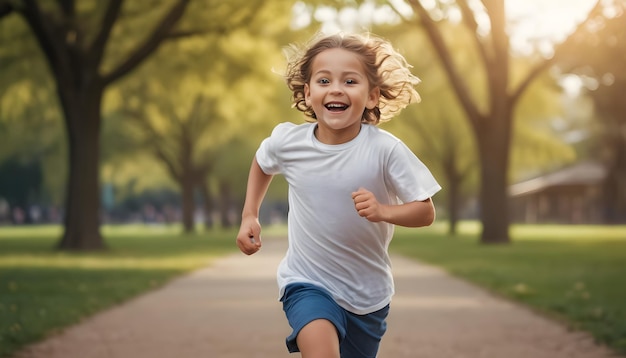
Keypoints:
(318, 339)
(317, 321)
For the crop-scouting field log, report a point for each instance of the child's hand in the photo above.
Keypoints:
(367, 205)
(249, 236)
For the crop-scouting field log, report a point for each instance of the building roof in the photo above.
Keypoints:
(584, 173)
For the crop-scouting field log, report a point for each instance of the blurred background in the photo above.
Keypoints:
(151, 111)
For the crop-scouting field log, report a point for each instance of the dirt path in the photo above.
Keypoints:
(230, 310)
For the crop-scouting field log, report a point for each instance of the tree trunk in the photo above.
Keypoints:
(614, 186)
(207, 200)
(493, 150)
(454, 179)
(453, 205)
(225, 203)
(80, 83)
(82, 119)
(188, 203)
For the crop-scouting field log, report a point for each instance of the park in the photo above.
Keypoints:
(127, 134)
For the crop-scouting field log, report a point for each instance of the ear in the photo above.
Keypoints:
(373, 98)
(307, 95)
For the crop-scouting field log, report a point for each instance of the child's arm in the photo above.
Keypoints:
(249, 237)
(413, 214)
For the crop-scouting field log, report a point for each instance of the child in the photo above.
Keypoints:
(349, 184)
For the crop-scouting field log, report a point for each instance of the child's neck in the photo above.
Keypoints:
(336, 136)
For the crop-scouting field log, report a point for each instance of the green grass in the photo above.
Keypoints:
(42, 289)
(576, 274)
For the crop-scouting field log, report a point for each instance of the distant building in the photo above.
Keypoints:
(572, 195)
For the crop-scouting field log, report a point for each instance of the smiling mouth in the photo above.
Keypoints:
(336, 107)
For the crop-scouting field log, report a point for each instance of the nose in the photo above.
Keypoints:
(335, 88)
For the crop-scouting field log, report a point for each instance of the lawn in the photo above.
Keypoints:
(576, 274)
(42, 290)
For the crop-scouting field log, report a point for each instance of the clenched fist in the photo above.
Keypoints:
(367, 205)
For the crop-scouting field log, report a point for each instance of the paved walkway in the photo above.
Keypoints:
(230, 310)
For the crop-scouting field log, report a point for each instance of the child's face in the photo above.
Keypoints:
(339, 91)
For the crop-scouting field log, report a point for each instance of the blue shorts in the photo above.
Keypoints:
(359, 335)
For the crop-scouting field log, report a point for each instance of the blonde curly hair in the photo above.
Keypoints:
(385, 68)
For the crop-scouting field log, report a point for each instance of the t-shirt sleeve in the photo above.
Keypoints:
(268, 153)
(409, 177)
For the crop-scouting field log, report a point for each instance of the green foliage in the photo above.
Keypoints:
(42, 290)
(537, 145)
(31, 131)
(20, 57)
(228, 54)
(437, 128)
(136, 174)
(597, 57)
(225, 54)
(573, 273)
(219, 90)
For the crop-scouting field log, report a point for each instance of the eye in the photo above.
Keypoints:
(323, 81)
(351, 82)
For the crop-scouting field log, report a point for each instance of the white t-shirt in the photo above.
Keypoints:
(330, 245)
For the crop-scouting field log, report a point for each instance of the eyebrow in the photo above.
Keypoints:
(345, 73)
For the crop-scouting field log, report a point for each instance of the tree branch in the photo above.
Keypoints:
(151, 44)
(155, 141)
(558, 52)
(68, 7)
(530, 77)
(42, 31)
(6, 8)
(171, 168)
(470, 22)
(197, 120)
(96, 50)
(488, 58)
(560, 49)
(443, 52)
(498, 75)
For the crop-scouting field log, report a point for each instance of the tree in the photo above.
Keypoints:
(184, 116)
(174, 147)
(74, 50)
(599, 56)
(78, 41)
(31, 132)
(436, 129)
(31, 129)
(491, 120)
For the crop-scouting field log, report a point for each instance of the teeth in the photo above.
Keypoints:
(335, 105)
